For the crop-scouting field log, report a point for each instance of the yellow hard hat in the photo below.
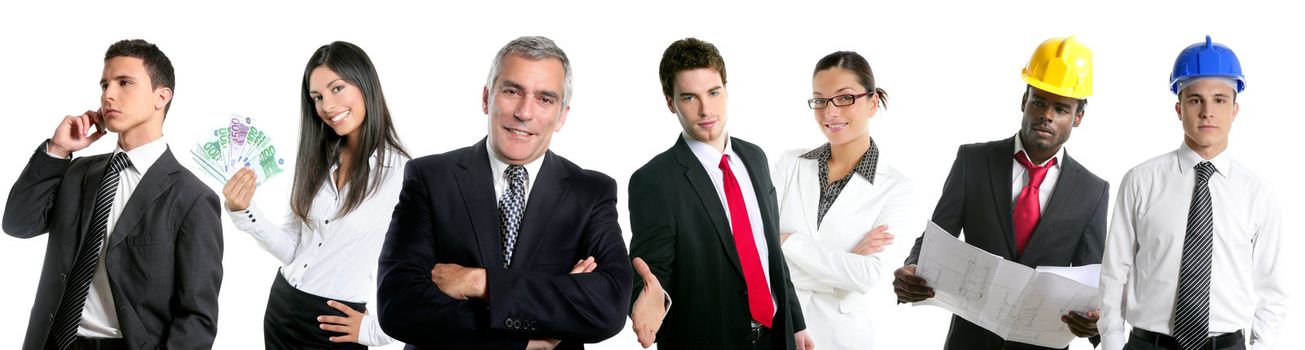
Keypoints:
(1061, 66)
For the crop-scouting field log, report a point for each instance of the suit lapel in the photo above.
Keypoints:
(807, 180)
(157, 180)
(476, 187)
(845, 203)
(551, 187)
(90, 188)
(701, 184)
(1000, 162)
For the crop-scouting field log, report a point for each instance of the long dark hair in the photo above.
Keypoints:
(856, 64)
(319, 146)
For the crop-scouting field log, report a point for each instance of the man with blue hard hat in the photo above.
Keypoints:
(1192, 257)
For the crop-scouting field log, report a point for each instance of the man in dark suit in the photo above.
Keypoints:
(134, 258)
(705, 226)
(504, 244)
(1049, 214)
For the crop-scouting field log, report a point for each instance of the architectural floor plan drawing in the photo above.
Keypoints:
(1012, 300)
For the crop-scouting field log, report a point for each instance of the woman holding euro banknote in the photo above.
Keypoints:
(348, 174)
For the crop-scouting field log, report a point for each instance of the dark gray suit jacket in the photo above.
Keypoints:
(976, 199)
(164, 257)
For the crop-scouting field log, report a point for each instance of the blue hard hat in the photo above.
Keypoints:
(1208, 59)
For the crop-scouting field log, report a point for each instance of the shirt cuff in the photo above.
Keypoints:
(52, 155)
(370, 333)
(245, 220)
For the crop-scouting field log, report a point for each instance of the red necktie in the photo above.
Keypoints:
(1027, 210)
(758, 293)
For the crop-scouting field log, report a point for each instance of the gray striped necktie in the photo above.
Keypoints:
(511, 207)
(1192, 308)
(78, 283)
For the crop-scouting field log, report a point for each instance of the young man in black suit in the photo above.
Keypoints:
(705, 227)
(134, 259)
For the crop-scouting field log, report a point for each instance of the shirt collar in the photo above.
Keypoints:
(865, 167)
(1187, 160)
(143, 157)
(1060, 154)
(497, 166)
(708, 155)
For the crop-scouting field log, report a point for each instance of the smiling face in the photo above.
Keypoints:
(1207, 108)
(698, 98)
(1048, 120)
(845, 124)
(339, 104)
(128, 99)
(525, 107)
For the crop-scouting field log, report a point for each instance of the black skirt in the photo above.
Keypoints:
(290, 321)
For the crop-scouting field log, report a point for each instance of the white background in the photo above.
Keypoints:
(951, 70)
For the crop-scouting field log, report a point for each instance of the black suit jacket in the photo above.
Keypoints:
(976, 199)
(680, 229)
(448, 213)
(164, 257)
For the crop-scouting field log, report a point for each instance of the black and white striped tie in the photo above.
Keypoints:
(78, 283)
(1192, 308)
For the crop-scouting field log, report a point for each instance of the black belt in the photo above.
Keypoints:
(81, 343)
(1168, 342)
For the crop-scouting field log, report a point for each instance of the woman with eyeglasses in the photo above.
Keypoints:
(838, 204)
(347, 180)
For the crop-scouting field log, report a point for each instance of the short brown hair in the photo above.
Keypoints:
(686, 54)
(156, 63)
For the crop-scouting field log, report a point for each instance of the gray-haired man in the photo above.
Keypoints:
(504, 244)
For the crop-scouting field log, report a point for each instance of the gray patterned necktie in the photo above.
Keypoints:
(1192, 307)
(78, 282)
(511, 207)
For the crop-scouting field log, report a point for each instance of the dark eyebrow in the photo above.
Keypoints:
(310, 92)
(120, 77)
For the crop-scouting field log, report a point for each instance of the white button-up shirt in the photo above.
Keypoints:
(334, 257)
(1139, 273)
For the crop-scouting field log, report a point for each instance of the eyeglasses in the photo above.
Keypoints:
(839, 101)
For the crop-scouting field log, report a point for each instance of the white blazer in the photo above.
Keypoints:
(823, 270)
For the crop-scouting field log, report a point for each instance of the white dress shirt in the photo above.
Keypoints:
(334, 257)
(710, 159)
(499, 168)
(1020, 175)
(99, 317)
(843, 295)
(1139, 273)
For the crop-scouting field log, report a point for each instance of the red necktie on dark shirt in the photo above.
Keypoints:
(1027, 211)
(759, 302)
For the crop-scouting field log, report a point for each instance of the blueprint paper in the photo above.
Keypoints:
(1014, 301)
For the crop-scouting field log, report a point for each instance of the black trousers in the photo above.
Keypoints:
(290, 321)
(1142, 339)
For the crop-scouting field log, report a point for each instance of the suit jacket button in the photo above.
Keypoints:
(63, 277)
(743, 293)
(52, 316)
(508, 323)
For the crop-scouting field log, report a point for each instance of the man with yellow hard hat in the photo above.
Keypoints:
(1023, 198)
(1194, 255)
